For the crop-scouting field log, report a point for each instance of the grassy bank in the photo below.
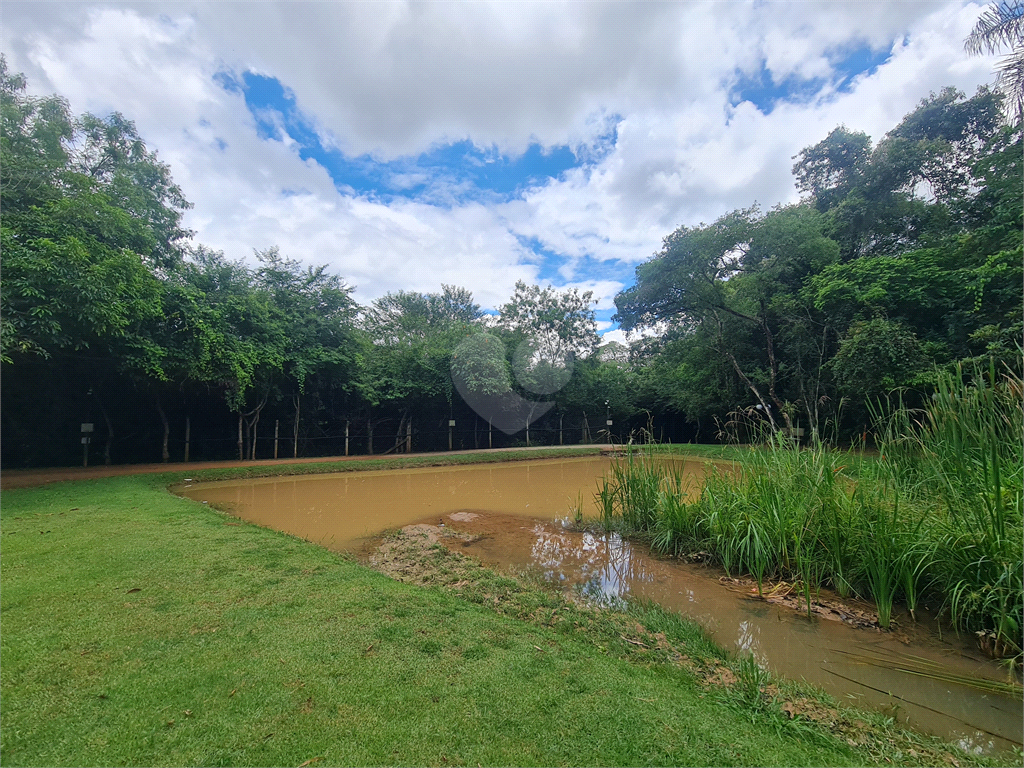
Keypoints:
(937, 516)
(141, 628)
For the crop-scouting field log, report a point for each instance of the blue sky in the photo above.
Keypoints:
(474, 172)
(410, 145)
(764, 91)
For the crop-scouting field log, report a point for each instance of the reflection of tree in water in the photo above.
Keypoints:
(605, 565)
(749, 639)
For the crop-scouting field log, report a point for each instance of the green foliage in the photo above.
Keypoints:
(1001, 26)
(941, 513)
(481, 363)
(88, 214)
(559, 323)
(413, 338)
(905, 254)
(876, 357)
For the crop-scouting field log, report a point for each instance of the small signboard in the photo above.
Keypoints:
(451, 422)
(609, 422)
(87, 428)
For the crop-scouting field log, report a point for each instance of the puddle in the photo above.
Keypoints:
(513, 508)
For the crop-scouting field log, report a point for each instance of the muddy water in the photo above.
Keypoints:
(516, 508)
(854, 665)
(340, 510)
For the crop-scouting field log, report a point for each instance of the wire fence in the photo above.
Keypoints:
(201, 439)
(381, 442)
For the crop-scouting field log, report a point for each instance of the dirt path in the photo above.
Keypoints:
(26, 478)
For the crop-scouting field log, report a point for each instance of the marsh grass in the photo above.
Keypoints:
(937, 516)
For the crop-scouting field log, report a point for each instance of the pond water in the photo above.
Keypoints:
(520, 510)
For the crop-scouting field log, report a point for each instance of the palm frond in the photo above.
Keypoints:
(1001, 25)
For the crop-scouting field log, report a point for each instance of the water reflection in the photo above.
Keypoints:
(607, 569)
(604, 564)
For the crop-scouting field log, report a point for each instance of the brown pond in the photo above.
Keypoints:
(518, 508)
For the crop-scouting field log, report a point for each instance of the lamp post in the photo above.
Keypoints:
(608, 420)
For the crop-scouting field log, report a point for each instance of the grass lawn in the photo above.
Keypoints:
(144, 629)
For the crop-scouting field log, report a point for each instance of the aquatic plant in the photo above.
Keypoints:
(937, 515)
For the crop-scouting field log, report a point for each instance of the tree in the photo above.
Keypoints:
(559, 324)
(317, 314)
(1001, 26)
(33, 137)
(226, 332)
(830, 169)
(736, 285)
(883, 200)
(876, 357)
(410, 339)
(87, 212)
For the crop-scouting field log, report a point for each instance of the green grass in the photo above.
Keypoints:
(139, 628)
(938, 513)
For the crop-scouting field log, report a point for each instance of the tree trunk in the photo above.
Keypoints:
(241, 449)
(400, 434)
(110, 431)
(369, 436)
(165, 454)
(773, 373)
(250, 426)
(295, 427)
(252, 445)
(188, 436)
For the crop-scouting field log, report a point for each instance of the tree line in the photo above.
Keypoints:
(903, 256)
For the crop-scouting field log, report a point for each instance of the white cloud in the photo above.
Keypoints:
(394, 78)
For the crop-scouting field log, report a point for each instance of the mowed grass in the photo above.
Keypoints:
(143, 629)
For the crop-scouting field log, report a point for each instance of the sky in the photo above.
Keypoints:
(409, 145)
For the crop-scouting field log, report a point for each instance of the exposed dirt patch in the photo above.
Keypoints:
(27, 478)
(788, 595)
(417, 554)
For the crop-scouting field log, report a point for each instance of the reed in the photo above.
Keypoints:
(938, 515)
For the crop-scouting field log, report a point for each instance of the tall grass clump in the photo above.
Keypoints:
(939, 515)
(961, 457)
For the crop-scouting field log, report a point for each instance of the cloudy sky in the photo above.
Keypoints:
(414, 144)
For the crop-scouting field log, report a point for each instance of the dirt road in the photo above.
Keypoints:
(26, 478)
